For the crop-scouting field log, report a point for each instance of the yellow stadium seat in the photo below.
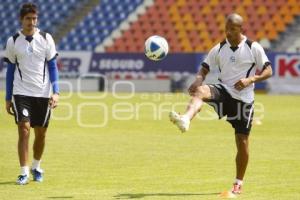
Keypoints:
(288, 18)
(293, 2)
(279, 24)
(272, 34)
(190, 26)
(181, 2)
(260, 34)
(206, 10)
(199, 48)
(182, 34)
(261, 10)
(204, 35)
(220, 18)
(295, 9)
(186, 45)
(179, 26)
(214, 2)
(241, 11)
(201, 26)
(187, 18)
(247, 2)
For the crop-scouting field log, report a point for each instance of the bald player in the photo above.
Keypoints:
(237, 59)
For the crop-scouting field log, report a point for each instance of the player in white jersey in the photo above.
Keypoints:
(31, 71)
(237, 59)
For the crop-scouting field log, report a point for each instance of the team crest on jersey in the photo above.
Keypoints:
(25, 112)
(29, 50)
(232, 59)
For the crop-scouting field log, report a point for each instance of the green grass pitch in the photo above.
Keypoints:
(146, 157)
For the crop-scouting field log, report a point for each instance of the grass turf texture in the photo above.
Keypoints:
(149, 158)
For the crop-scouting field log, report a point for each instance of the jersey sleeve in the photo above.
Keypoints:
(260, 56)
(51, 50)
(211, 58)
(9, 55)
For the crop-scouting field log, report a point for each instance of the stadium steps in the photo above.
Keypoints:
(72, 21)
(125, 25)
(288, 40)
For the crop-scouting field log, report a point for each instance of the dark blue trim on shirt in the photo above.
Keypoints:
(205, 65)
(54, 57)
(266, 65)
(7, 60)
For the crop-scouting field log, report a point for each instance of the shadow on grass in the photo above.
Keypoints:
(8, 183)
(142, 195)
(61, 197)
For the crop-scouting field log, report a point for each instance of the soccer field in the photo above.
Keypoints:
(146, 157)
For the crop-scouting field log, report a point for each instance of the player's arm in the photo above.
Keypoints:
(9, 86)
(53, 73)
(245, 82)
(200, 77)
(9, 58)
(265, 74)
(209, 61)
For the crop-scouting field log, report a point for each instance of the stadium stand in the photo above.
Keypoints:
(98, 24)
(191, 25)
(188, 25)
(53, 12)
(289, 41)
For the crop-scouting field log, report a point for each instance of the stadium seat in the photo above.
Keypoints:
(194, 21)
(189, 25)
(104, 18)
(47, 20)
(198, 25)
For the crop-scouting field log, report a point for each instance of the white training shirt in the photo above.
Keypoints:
(31, 77)
(235, 64)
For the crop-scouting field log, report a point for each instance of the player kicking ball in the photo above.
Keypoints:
(32, 68)
(237, 59)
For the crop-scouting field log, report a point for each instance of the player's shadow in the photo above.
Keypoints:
(142, 195)
(8, 183)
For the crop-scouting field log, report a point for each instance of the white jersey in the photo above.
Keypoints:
(237, 63)
(30, 55)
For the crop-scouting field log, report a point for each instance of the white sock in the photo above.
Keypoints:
(25, 170)
(36, 164)
(239, 182)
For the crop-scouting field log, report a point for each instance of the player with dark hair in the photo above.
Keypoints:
(32, 69)
(237, 59)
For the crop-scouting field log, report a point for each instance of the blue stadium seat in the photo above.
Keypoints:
(52, 13)
(91, 31)
(98, 24)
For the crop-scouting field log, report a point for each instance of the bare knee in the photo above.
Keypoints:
(203, 92)
(24, 129)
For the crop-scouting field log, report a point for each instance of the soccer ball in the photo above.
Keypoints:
(156, 48)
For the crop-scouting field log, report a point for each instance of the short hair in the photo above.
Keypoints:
(235, 18)
(28, 8)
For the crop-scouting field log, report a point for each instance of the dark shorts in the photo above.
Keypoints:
(239, 114)
(34, 110)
